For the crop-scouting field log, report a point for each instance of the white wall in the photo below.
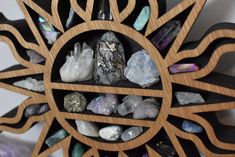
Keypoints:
(215, 11)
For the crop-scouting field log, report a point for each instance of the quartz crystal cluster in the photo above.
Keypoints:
(30, 84)
(79, 65)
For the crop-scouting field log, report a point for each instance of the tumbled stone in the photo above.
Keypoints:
(75, 102)
(166, 35)
(129, 105)
(79, 65)
(131, 133)
(35, 57)
(111, 133)
(104, 12)
(165, 149)
(142, 19)
(48, 30)
(185, 98)
(87, 128)
(10, 148)
(191, 127)
(30, 84)
(110, 60)
(56, 137)
(149, 109)
(31, 110)
(142, 70)
(78, 150)
(183, 68)
(43, 109)
(105, 105)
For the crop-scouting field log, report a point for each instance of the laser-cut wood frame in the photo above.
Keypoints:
(24, 34)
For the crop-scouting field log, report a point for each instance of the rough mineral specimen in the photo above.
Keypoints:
(78, 150)
(142, 19)
(35, 58)
(191, 127)
(70, 18)
(131, 133)
(149, 109)
(79, 65)
(129, 105)
(165, 149)
(110, 60)
(183, 68)
(142, 70)
(185, 98)
(166, 35)
(48, 30)
(36, 109)
(30, 84)
(104, 104)
(9, 148)
(104, 12)
(56, 137)
(111, 133)
(87, 128)
(75, 102)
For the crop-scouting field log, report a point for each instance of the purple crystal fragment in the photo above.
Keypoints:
(166, 35)
(183, 68)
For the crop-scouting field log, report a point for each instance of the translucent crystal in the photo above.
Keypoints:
(110, 60)
(104, 104)
(70, 18)
(111, 133)
(35, 58)
(131, 133)
(87, 128)
(78, 150)
(129, 105)
(104, 12)
(142, 70)
(191, 127)
(30, 84)
(75, 102)
(48, 30)
(142, 19)
(149, 109)
(185, 98)
(183, 68)
(79, 65)
(166, 35)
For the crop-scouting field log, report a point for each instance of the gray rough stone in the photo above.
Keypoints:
(185, 98)
(142, 70)
(30, 84)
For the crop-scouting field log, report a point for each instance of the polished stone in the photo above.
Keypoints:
(43, 109)
(142, 70)
(142, 19)
(110, 60)
(30, 84)
(131, 133)
(105, 105)
(165, 149)
(185, 98)
(87, 128)
(149, 109)
(104, 11)
(183, 68)
(35, 57)
(79, 65)
(166, 35)
(48, 30)
(56, 137)
(75, 102)
(31, 110)
(111, 133)
(78, 150)
(191, 127)
(129, 105)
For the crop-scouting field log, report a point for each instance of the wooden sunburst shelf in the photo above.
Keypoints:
(219, 90)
